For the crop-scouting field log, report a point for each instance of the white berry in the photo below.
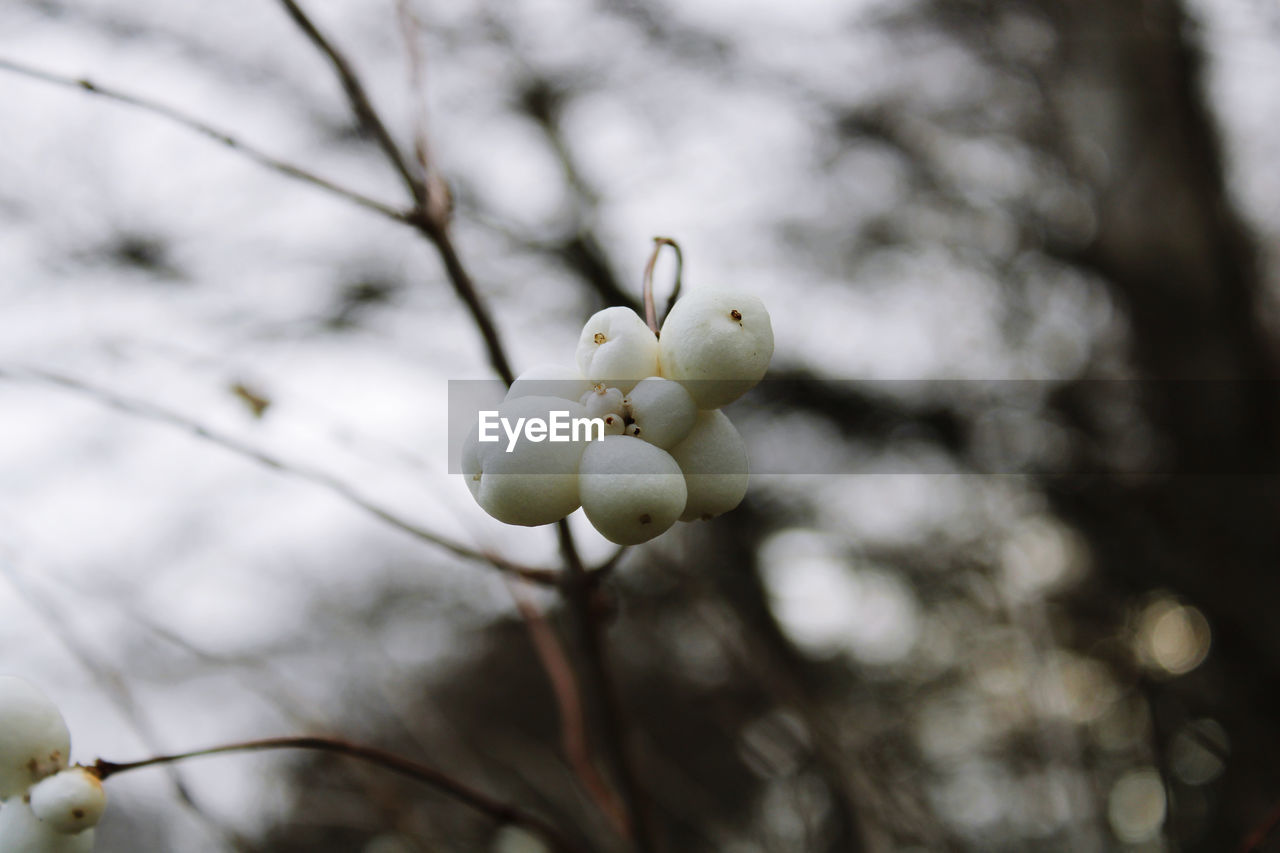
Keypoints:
(718, 344)
(614, 424)
(22, 832)
(70, 801)
(631, 490)
(662, 410)
(534, 483)
(34, 741)
(549, 380)
(714, 460)
(602, 400)
(616, 347)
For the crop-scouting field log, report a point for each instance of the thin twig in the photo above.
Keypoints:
(410, 33)
(573, 724)
(152, 412)
(203, 128)
(1262, 832)
(431, 213)
(650, 313)
(579, 594)
(465, 288)
(359, 100)
(113, 685)
(481, 802)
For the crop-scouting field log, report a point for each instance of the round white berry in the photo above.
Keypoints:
(549, 380)
(662, 411)
(526, 482)
(614, 424)
(616, 347)
(34, 741)
(718, 344)
(602, 400)
(631, 490)
(22, 832)
(713, 458)
(70, 801)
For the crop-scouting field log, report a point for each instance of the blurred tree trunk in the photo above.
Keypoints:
(1128, 90)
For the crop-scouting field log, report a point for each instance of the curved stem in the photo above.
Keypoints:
(481, 802)
(650, 313)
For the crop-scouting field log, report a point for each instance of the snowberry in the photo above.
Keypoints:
(34, 741)
(549, 380)
(614, 424)
(631, 490)
(602, 400)
(70, 801)
(534, 483)
(617, 347)
(713, 458)
(717, 343)
(662, 411)
(22, 832)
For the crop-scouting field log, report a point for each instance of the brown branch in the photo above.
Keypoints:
(438, 233)
(1262, 832)
(573, 723)
(359, 100)
(431, 212)
(111, 682)
(481, 802)
(579, 594)
(152, 412)
(204, 129)
(410, 33)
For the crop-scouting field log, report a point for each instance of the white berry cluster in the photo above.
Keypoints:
(668, 452)
(48, 807)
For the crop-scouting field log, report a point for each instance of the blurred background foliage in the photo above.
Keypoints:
(1032, 609)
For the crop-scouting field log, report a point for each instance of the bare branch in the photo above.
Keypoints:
(579, 594)
(573, 723)
(481, 802)
(204, 129)
(431, 214)
(115, 687)
(361, 105)
(411, 33)
(465, 288)
(346, 491)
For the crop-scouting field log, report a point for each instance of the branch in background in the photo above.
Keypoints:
(112, 684)
(152, 412)
(578, 590)
(502, 812)
(465, 288)
(361, 105)
(191, 123)
(410, 32)
(431, 213)
(573, 723)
